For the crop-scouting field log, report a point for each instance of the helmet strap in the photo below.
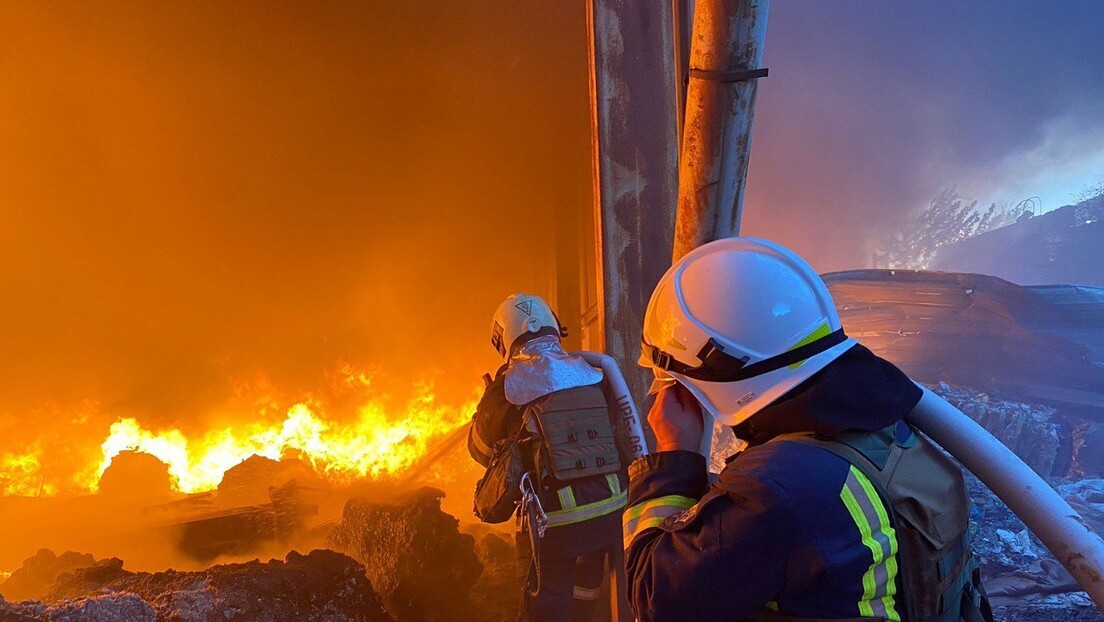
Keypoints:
(717, 366)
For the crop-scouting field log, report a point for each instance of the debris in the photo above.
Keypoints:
(248, 483)
(136, 477)
(1031, 431)
(322, 585)
(414, 553)
(38, 573)
(109, 608)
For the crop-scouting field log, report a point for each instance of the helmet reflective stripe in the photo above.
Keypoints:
(518, 315)
(740, 322)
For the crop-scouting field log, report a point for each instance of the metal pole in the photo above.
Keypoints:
(633, 114)
(725, 56)
(682, 13)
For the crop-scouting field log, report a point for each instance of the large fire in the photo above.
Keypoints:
(376, 442)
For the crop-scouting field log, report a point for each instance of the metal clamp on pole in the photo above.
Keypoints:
(739, 75)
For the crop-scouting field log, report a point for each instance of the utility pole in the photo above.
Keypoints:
(726, 52)
(634, 112)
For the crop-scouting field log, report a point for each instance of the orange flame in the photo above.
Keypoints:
(374, 445)
(19, 475)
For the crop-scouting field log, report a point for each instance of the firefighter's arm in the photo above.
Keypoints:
(722, 558)
(491, 421)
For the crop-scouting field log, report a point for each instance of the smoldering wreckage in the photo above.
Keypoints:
(389, 552)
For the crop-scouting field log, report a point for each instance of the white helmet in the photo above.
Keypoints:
(739, 322)
(518, 315)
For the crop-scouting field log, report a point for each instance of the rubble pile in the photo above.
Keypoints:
(109, 608)
(250, 482)
(323, 585)
(497, 592)
(1033, 432)
(38, 573)
(414, 553)
(1024, 581)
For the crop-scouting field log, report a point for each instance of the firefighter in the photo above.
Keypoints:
(836, 509)
(557, 402)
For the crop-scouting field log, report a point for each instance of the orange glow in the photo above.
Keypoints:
(204, 208)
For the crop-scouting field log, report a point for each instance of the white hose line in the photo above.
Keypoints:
(630, 432)
(1029, 497)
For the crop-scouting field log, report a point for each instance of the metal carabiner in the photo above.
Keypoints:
(531, 506)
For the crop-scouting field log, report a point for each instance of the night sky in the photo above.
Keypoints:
(192, 194)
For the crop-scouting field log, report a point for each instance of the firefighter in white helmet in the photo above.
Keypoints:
(837, 509)
(548, 410)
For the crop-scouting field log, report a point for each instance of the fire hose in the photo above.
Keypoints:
(1029, 497)
(627, 427)
(1060, 528)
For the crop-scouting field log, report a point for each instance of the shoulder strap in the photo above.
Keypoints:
(875, 454)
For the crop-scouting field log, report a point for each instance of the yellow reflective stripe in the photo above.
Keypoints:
(887, 528)
(586, 512)
(821, 331)
(876, 550)
(651, 513)
(614, 483)
(567, 498)
(879, 536)
(640, 508)
(586, 593)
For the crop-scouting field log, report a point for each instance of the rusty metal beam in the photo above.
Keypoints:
(633, 112)
(726, 50)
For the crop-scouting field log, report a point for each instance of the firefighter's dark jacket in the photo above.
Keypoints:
(774, 532)
(496, 419)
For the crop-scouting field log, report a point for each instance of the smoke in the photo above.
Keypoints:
(195, 196)
(872, 109)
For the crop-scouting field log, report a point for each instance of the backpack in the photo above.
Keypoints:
(498, 492)
(565, 436)
(576, 437)
(939, 578)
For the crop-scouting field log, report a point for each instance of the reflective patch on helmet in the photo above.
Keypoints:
(821, 331)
